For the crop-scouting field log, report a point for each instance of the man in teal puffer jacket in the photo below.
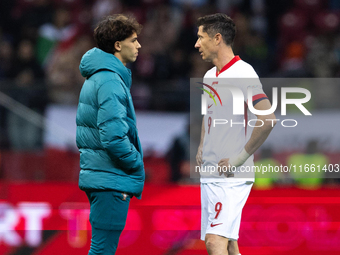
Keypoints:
(111, 157)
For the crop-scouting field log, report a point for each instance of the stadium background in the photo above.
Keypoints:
(43, 212)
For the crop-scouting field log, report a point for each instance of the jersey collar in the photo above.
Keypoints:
(228, 65)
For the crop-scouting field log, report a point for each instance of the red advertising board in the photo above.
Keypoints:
(52, 218)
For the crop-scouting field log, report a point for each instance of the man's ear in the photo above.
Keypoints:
(218, 38)
(118, 46)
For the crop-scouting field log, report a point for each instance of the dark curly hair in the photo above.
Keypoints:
(114, 28)
(218, 23)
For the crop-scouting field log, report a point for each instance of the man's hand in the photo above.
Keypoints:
(224, 163)
(199, 155)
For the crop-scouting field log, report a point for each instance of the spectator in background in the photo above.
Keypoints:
(63, 77)
(321, 60)
(6, 59)
(25, 60)
(305, 178)
(179, 64)
(250, 45)
(158, 57)
(29, 90)
(188, 32)
(294, 57)
(102, 8)
(178, 157)
(50, 34)
(6, 62)
(266, 180)
(6, 20)
(39, 12)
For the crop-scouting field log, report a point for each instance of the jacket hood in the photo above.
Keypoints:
(96, 59)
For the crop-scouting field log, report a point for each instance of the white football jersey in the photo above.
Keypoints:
(226, 133)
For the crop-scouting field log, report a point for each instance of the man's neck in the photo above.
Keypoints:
(223, 57)
(117, 55)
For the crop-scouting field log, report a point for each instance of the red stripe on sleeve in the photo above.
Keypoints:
(258, 96)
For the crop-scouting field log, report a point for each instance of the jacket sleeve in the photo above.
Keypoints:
(113, 129)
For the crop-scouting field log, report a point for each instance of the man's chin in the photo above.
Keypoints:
(133, 59)
(205, 59)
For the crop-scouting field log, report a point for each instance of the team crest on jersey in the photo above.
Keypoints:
(214, 83)
(212, 93)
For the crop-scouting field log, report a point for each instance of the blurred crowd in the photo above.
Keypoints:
(42, 41)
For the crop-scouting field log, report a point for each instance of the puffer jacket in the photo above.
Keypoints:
(111, 156)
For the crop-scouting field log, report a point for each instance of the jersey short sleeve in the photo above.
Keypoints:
(251, 82)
